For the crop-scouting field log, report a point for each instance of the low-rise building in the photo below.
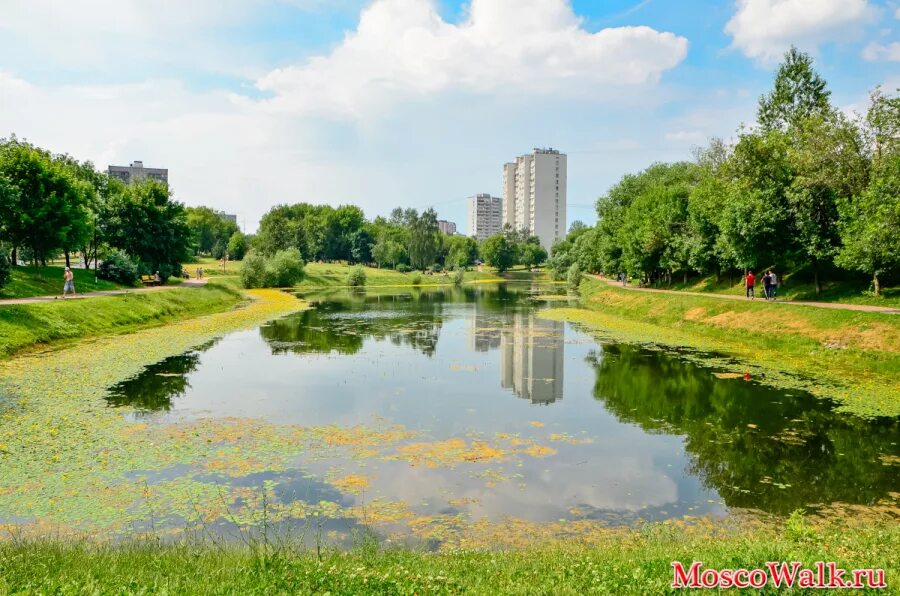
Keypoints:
(136, 172)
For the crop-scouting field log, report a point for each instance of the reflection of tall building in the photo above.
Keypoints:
(532, 358)
(485, 333)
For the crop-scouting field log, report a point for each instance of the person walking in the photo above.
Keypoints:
(750, 281)
(69, 282)
(774, 286)
(767, 284)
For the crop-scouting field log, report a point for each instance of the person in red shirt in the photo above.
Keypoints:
(751, 281)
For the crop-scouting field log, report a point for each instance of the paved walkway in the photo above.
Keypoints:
(189, 283)
(832, 305)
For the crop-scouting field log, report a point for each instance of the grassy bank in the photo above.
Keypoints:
(27, 325)
(329, 275)
(48, 281)
(619, 562)
(852, 357)
(797, 286)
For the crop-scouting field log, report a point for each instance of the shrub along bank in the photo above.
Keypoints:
(26, 325)
(852, 357)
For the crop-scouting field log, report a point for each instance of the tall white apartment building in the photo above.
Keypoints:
(535, 200)
(509, 194)
(485, 216)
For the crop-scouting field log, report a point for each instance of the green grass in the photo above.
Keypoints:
(26, 325)
(850, 356)
(47, 281)
(621, 562)
(797, 286)
(212, 267)
(323, 275)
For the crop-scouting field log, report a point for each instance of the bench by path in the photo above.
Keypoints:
(189, 283)
(833, 305)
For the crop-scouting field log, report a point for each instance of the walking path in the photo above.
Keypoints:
(190, 283)
(833, 305)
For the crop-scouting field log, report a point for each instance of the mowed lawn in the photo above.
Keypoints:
(46, 281)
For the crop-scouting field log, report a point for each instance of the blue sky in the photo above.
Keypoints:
(252, 103)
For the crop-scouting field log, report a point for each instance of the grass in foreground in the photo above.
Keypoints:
(852, 357)
(48, 281)
(26, 325)
(323, 275)
(621, 562)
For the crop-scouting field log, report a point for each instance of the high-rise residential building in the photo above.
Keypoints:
(136, 171)
(509, 194)
(532, 358)
(485, 215)
(534, 195)
(446, 227)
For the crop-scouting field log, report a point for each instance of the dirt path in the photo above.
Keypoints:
(190, 283)
(832, 305)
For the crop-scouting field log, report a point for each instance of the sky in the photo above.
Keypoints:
(414, 103)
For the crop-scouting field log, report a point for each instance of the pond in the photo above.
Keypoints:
(525, 418)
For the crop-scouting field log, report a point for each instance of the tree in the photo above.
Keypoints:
(209, 229)
(388, 252)
(828, 163)
(424, 239)
(799, 92)
(361, 246)
(532, 254)
(869, 224)
(461, 251)
(498, 252)
(147, 224)
(237, 246)
(48, 209)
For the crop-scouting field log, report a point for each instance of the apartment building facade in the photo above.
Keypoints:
(534, 195)
(446, 227)
(485, 216)
(136, 171)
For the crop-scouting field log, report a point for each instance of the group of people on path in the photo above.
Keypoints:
(770, 285)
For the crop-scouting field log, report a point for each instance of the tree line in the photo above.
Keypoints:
(53, 205)
(405, 240)
(809, 187)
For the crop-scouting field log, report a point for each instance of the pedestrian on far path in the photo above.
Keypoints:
(198, 272)
(767, 284)
(750, 282)
(69, 285)
(774, 288)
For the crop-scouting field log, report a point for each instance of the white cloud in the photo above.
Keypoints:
(897, 14)
(764, 29)
(426, 87)
(404, 48)
(876, 51)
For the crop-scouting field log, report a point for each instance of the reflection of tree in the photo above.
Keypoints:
(158, 384)
(758, 447)
(341, 321)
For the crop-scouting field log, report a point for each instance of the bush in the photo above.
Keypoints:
(402, 268)
(437, 268)
(357, 277)
(237, 246)
(459, 277)
(416, 279)
(253, 271)
(284, 269)
(218, 250)
(118, 267)
(5, 267)
(574, 276)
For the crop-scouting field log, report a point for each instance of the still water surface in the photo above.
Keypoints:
(632, 433)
